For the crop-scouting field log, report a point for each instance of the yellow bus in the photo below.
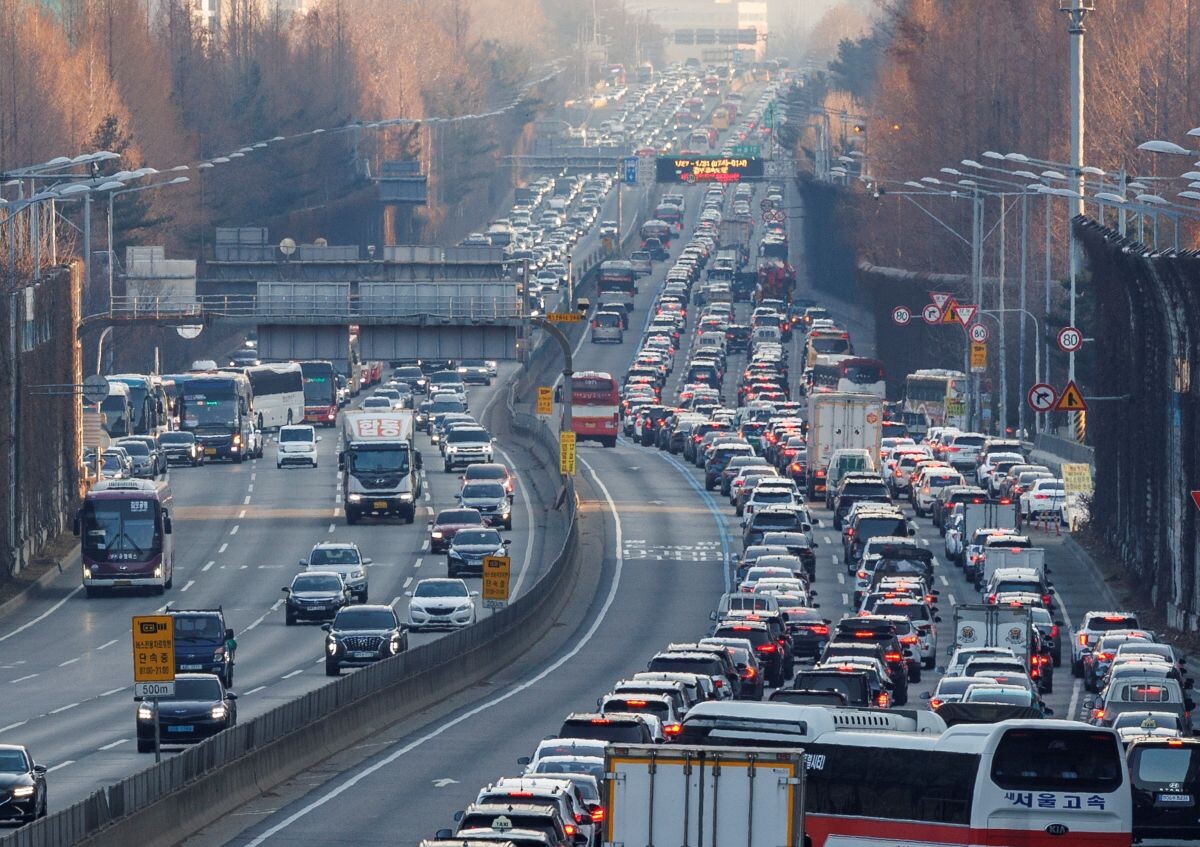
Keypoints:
(720, 117)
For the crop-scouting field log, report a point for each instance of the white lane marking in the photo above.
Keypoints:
(13, 726)
(1074, 704)
(407, 583)
(953, 602)
(925, 541)
(827, 539)
(332, 527)
(425, 545)
(60, 764)
(63, 708)
(935, 561)
(206, 567)
(841, 578)
(250, 488)
(242, 513)
(107, 644)
(253, 690)
(234, 530)
(43, 615)
(426, 496)
(68, 662)
(586, 638)
(23, 678)
(417, 563)
(116, 743)
(262, 617)
(516, 591)
(253, 476)
(222, 549)
(942, 577)
(834, 558)
(336, 511)
(190, 583)
(112, 691)
(245, 502)
(845, 599)
(293, 673)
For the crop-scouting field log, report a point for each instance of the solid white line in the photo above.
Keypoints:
(293, 673)
(417, 563)
(68, 662)
(358, 777)
(1074, 704)
(111, 691)
(43, 615)
(234, 530)
(116, 743)
(206, 567)
(250, 488)
(222, 549)
(254, 690)
(107, 644)
(23, 678)
(407, 583)
(945, 581)
(63, 708)
(60, 764)
(396, 600)
(13, 726)
(190, 583)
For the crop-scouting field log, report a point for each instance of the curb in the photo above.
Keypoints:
(1085, 559)
(35, 589)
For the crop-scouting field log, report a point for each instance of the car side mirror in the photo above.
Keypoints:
(228, 634)
(816, 605)
(318, 438)
(230, 695)
(911, 531)
(327, 627)
(937, 618)
(524, 760)
(1189, 703)
(806, 527)
(286, 590)
(507, 542)
(40, 770)
(712, 616)
(443, 833)
(925, 695)
(367, 561)
(458, 495)
(304, 563)
(474, 593)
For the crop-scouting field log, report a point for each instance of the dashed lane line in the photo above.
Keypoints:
(189, 584)
(116, 743)
(293, 673)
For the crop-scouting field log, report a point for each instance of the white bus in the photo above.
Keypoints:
(278, 394)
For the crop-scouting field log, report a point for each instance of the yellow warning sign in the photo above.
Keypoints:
(564, 317)
(545, 400)
(1071, 400)
(153, 648)
(566, 453)
(496, 571)
(950, 312)
(1077, 478)
(978, 357)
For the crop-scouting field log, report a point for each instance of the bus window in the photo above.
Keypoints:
(1053, 760)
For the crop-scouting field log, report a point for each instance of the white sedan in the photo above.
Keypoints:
(441, 604)
(1043, 497)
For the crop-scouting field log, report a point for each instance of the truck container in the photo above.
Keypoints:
(978, 625)
(681, 794)
(380, 465)
(989, 514)
(1012, 557)
(839, 421)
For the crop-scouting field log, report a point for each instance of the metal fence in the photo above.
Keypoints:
(1142, 418)
(337, 714)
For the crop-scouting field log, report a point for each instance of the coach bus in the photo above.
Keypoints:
(595, 398)
(851, 374)
(124, 529)
(278, 394)
(218, 408)
(149, 404)
(934, 397)
(897, 778)
(320, 393)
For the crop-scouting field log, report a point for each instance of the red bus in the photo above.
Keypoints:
(852, 374)
(320, 393)
(594, 401)
(124, 527)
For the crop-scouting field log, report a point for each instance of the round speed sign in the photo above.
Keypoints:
(979, 333)
(1070, 339)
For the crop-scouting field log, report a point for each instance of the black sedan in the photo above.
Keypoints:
(199, 708)
(315, 596)
(22, 785)
(363, 635)
(469, 547)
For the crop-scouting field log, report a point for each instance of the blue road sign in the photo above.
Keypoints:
(631, 169)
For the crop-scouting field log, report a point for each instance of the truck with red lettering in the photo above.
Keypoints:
(776, 281)
(380, 464)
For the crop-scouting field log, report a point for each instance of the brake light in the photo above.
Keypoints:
(569, 829)
(849, 532)
(819, 629)
(882, 699)
(861, 574)
(821, 474)
(740, 628)
(1046, 599)
(598, 814)
(992, 599)
(1005, 502)
(749, 673)
(520, 794)
(1113, 618)
(672, 729)
(635, 702)
(1054, 631)
(864, 635)
(601, 721)
(718, 683)
(935, 703)
(1105, 657)
(893, 656)
(767, 648)
(908, 639)
(1098, 714)
(1083, 639)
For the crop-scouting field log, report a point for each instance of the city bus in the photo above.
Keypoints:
(320, 393)
(895, 778)
(118, 411)
(850, 374)
(594, 403)
(149, 404)
(218, 409)
(124, 529)
(278, 394)
(934, 397)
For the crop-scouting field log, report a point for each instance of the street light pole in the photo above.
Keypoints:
(568, 371)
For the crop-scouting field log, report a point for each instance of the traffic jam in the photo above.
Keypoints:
(918, 681)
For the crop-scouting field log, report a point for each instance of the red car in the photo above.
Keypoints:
(447, 523)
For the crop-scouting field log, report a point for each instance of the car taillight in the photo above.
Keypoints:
(795, 467)
(601, 721)
(718, 683)
(992, 599)
(821, 474)
(598, 814)
(819, 629)
(1046, 599)
(749, 673)
(908, 639)
(672, 729)
(935, 703)
(893, 656)
(1105, 657)
(882, 699)
(569, 829)
(1054, 631)
(1083, 639)
(767, 648)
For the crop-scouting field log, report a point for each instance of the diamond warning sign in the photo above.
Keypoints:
(1071, 400)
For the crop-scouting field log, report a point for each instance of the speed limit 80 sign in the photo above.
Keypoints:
(1070, 339)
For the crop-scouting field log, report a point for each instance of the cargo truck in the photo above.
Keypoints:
(839, 421)
(978, 625)
(381, 467)
(704, 795)
(995, 558)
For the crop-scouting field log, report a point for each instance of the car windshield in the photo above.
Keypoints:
(477, 536)
(871, 527)
(1157, 720)
(125, 527)
(998, 694)
(134, 448)
(485, 472)
(483, 490)
(296, 434)
(764, 494)
(197, 628)
(176, 438)
(333, 556)
(360, 618)
(13, 761)
(466, 517)
(389, 459)
(196, 689)
(441, 588)
(316, 583)
(605, 729)
(466, 435)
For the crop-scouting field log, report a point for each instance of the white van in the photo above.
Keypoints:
(842, 462)
(767, 334)
(297, 445)
(711, 339)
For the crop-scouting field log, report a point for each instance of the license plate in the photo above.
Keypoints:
(122, 582)
(1175, 798)
(190, 667)
(362, 654)
(181, 729)
(380, 504)
(210, 451)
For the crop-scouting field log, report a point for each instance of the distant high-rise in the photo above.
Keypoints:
(709, 30)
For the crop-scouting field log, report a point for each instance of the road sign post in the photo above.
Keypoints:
(1041, 397)
(566, 453)
(979, 333)
(931, 314)
(545, 400)
(901, 315)
(978, 358)
(1070, 339)
(95, 389)
(631, 170)
(496, 576)
(154, 664)
(1071, 399)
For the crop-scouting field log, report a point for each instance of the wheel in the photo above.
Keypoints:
(279, 465)
(314, 466)
(228, 677)
(610, 442)
(914, 674)
(362, 597)
(159, 590)
(411, 516)
(332, 668)
(508, 524)
(447, 467)
(45, 806)
(289, 618)
(170, 580)
(238, 459)
(90, 592)
(351, 517)
(1076, 669)
(1057, 660)
(145, 746)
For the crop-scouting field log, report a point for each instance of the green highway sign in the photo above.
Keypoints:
(749, 150)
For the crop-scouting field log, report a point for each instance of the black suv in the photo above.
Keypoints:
(203, 643)
(875, 632)
(855, 488)
(765, 646)
(200, 707)
(362, 635)
(621, 728)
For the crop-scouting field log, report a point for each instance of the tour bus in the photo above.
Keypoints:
(320, 393)
(118, 411)
(934, 397)
(850, 374)
(595, 398)
(825, 342)
(721, 117)
(278, 394)
(656, 229)
(617, 275)
(895, 778)
(148, 401)
(218, 408)
(124, 529)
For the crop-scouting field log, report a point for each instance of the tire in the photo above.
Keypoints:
(314, 466)
(159, 590)
(239, 458)
(289, 619)
(1076, 669)
(411, 516)
(170, 581)
(362, 598)
(351, 517)
(610, 442)
(447, 467)
(508, 524)
(228, 677)
(914, 674)
(279, 465)
(1057, 660)
(90, 592)
(145, 746)
(332, 668)
(928, 664)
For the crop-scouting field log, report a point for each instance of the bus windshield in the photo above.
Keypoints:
(121, 529)
(216, 410)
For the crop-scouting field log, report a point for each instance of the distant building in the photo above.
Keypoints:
(711, 31)
(211, 15)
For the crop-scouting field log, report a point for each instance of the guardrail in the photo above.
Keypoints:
(161, 804)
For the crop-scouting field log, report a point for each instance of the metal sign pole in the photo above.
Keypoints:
(157, 734)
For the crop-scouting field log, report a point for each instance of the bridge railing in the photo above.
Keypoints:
(318, 308)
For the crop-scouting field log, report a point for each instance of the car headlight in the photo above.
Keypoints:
(454, 554)
(219, 654)
(354, 498)
(87, 572)
(358, 574)
(405, 497)
(158, 572)
(331, 646)
(145, 712)
(23, 791)
(436, 534)
(395, 644)
(218, 713)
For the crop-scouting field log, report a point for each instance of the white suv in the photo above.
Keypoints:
(1091, 628)
(297, 446)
